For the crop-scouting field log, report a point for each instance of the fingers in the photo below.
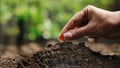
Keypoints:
(61, 38)
(78, 20)
(76, 33)
(74, 22)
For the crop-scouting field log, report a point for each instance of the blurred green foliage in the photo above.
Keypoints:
(43, 18)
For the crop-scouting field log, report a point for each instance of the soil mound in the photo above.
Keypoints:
(68, 55)
(64, 55)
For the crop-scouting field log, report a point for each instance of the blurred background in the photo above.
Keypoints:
(24, 21)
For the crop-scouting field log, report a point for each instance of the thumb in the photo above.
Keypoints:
(76, 33)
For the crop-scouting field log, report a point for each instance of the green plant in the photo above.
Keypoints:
(43, 18)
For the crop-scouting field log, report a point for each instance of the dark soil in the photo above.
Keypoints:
(65, 55)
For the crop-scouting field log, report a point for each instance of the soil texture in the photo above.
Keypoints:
(62, 55)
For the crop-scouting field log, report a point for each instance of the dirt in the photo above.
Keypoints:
(105, 47)
(62, 55)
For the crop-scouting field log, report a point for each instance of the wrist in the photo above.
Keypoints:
(117, 14)
(114, 18)
(119, 17)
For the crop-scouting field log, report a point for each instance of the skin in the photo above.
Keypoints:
(92, 23)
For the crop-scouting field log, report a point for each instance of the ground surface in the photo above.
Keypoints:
(60, 55)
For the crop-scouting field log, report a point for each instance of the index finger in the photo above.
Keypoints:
(75, 21)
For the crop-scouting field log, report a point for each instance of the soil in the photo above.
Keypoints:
(62, 55)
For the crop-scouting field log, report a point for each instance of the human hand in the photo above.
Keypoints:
(92, 23)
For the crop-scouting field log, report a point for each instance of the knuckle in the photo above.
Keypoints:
(75, 33)
(89, 8)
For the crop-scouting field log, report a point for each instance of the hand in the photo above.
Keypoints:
(92, 23)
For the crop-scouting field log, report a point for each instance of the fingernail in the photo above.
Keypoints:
(67, 35)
